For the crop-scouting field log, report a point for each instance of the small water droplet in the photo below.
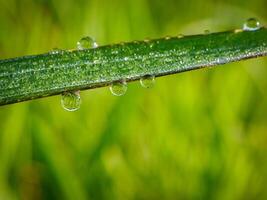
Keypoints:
(147, 81)
(251, 24)
(71, 101)
(167, 37)
(180, 36)
(56, 51)
(86, 43)
(118, 88)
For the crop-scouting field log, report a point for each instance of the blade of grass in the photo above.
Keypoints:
(32, 77)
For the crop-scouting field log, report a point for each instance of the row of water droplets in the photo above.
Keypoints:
(71, 101)
(119, 88)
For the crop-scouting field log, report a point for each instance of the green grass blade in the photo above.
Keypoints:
(32, 77)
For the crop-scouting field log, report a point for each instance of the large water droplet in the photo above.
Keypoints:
(251, 24)
(147, 81)
(86, 43)
(71, 101)
(118, 88)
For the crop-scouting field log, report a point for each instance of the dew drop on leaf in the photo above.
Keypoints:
(86, 43)
(118, 88)
(71, 101)
(147, 81)
(56, 51)
(251, 24)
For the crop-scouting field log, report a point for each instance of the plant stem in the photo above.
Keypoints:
(32, 77)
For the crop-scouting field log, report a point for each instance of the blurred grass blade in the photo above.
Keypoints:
(32, 77)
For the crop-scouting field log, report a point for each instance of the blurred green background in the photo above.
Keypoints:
(196, 135)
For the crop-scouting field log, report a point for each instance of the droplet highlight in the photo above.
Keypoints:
(238, 30)
(146, 40)
(180, 36)
(147, 81)
(252, 24)
(56, 51)
(71, 101)
(86, 43)
(118, 88)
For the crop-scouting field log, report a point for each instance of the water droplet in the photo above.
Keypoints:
(180, 36)
(56, 51)
(147, 81)
(251, 24)
(86, 43)
(71, 101)
(118, 88)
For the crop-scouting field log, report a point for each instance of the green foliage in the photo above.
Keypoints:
(197, 135)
